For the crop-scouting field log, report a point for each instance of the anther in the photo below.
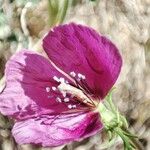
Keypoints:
(63, 93)
(73, 106)
(56, 78)
(58, 99)
(62, 80)
(53, 88)
(70, 106)
(66, 99)
(81, 76)
(47, 89)
(73, 74)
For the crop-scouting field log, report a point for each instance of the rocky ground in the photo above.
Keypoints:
(125, 22)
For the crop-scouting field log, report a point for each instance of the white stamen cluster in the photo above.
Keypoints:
(64, 88)
(75, 92)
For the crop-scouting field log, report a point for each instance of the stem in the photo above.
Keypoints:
(57, 11)
(135, 140)
(53, 9)
(63, 11)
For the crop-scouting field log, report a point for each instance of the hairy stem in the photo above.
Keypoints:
(114, 123)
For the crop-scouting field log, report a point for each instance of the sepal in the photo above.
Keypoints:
(116, 124)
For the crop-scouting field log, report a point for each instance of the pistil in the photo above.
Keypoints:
(75, 92)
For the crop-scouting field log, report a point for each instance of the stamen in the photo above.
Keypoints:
(53, 88)
(81, 76)
(63, 93)
(76, 93)
(62, 80)
(73, 74)
(73, 106)
(70, 106)
(85, 86)
(47, 89)
(56, 78)
(66, 100)
(58, 99)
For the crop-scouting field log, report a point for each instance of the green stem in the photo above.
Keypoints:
(135, 141)
(63, 11)
(53, 8)
(57, 11)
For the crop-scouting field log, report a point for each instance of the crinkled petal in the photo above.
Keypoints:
(80, 49)
(57, 130)
(27, 77)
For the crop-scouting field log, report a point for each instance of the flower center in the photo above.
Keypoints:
(75, 95)
(75, 92)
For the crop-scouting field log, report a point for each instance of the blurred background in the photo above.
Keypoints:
(23, 23)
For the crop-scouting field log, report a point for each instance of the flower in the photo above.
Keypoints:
(54, 101)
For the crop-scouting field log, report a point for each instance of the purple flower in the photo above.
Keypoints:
(54, 101)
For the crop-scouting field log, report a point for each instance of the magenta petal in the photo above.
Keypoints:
(27, 76)
(58, 130)
(80, 49)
